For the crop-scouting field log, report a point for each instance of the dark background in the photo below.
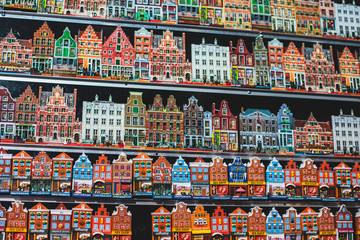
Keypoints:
(141, 214)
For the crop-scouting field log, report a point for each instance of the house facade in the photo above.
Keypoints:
(41, 174)
(200, 181)
(61, 175)
(56, 116)
(82, 177)
(8, 113)
(312, 136)
(162, 181)
(193, 124)
(25, 117)
(169, 63)
(225, 128)
(134, 124)
(122, 177)
(258, 131)
(43, 50)
(164, 125)
(103, 122)
(65, 55)
(242, 64)
(210, 62)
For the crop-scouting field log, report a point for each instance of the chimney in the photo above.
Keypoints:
(231, 46)
(40, 89)
(213, 109)
(332, 53)
(75, 95)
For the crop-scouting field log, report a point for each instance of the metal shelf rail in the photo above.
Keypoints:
(176, 87)
(155, 153)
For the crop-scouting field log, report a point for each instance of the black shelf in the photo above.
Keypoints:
(173, 202)
(255, 92)
(174, 27)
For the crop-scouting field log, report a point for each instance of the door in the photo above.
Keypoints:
(135, 141)
(203, 192)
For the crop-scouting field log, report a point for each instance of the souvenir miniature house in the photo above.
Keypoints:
(102, 177)
(256, 179)
(21, 173)
(162, 185)
(142, 175)
(122, 177)
(275, 180)
(181, 179)
(200, 181)
(219, 188)
(61, 175)
(41, 174)
(5, 171)
(82, 177)
(238, 186)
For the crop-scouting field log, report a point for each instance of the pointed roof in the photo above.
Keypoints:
(161, 159)
(275, 43)
(344, 209)
(22, 154)
(91, 29)
(307, 161)
(42, 154)
(308, 210)
(325, 209)
(38, 207)
(272, 162)
(238, 211)
(270, 215)
(122, 159)
(342, 165)
(180, 204)
(291, 165)
(253, 160)
(218, 158)
(142, 32)
(83, 206)
(161, 211)
(237, 162)
(142, 156)
(121, 208)
(61, 206)
(4, 154)
(63, 156)
(287, 213)
(256, 209)
(325, 166)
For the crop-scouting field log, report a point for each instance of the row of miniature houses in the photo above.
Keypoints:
(79, 222)
(255, 15)
(90, 55)
(252, 130)
(239, 225)
(141, 177)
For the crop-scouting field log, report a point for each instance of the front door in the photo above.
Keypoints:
(135, 141)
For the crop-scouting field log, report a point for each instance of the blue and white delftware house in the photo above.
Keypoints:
(82, 177)
(181, 179)
(275, 181)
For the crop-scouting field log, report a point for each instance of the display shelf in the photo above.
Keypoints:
(173, 27)
(154, 153)
(176, 87)
(191, 203)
